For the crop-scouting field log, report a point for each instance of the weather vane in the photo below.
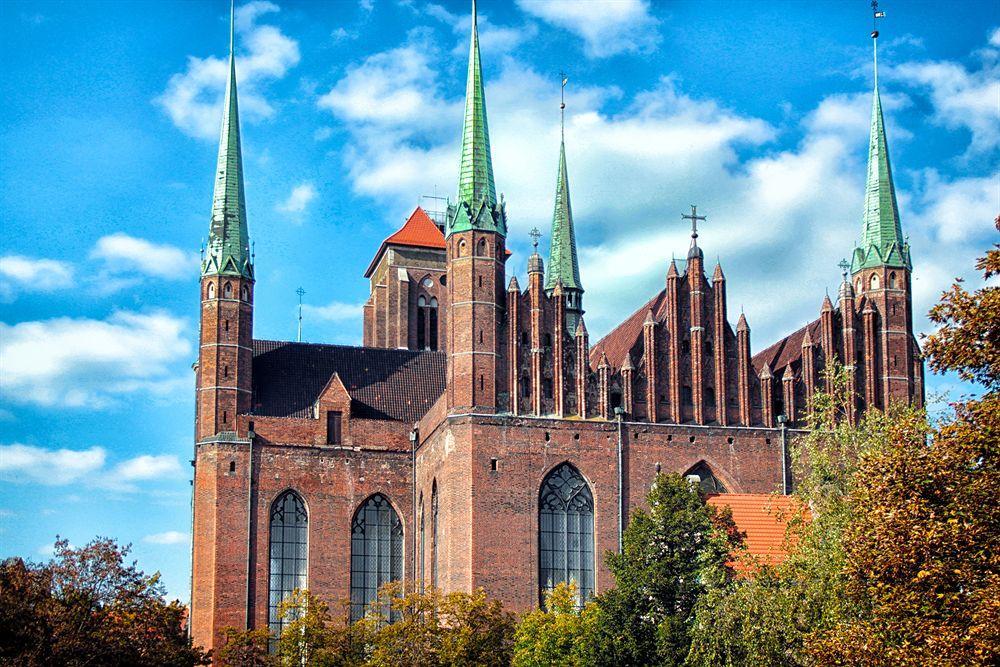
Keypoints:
(534, 234)
(564, 79)
(876, 14)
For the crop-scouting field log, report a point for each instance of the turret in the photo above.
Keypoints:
(475, 233)
(227, 285)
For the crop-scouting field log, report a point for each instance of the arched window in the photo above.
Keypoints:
(422, 541)
(566, 533)
(376, 551)
(211, 290)
(701, 474)
(874, 282)
(481, 250)
(434, 534)
(227, 291)
(289, 554)
(892, 280)
(427, 323)
(245, 291)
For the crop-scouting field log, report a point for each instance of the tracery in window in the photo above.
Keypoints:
(376, 552)
(566, 533)
(289, 555)
(702, 474)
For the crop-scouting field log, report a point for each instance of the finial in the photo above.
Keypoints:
(876, 14)
(562, 104)
(844, 266)
(535, 235)
(300, 292)
(694, 218)
(232, 28)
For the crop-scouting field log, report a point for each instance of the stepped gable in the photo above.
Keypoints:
(788, 350)
(385, 384)
(762, 518)
(617, 343)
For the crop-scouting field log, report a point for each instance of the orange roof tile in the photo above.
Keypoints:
(419, 231)
(762, 518)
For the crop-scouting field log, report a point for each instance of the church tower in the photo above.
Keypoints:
(564, 267)
(475, 243)
(227, 281)
(880, 274)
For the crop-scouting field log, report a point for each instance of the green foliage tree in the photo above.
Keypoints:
(87, 606)
(244, 648)
(559, 634)
(672, 554)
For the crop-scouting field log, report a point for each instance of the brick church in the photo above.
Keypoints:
(478, 438)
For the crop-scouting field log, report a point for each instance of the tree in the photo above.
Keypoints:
(560, 634)
(244, 648)
(672, 554)
(86, 607)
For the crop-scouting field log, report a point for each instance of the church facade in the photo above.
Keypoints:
(478, 438)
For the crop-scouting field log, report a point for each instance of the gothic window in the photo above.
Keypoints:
(566, 533)
(705, 478)
(211, 290)
(227, 291)
(245, 291)
(892, 279)
(427, 323)
(525, 386)
(481, 250)
(434, 534)
(289, 555)
(333, 427)
(547, 387)
(858, 286)
(432, 323)
(874, 282)
(376, 552)
(616, 399)
(710, 397)
(686, 395)
(421, 323)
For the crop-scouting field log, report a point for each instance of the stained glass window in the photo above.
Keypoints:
(566, 533)
(289, 554)
(376, 551)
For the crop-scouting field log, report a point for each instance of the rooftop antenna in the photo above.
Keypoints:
(300, 292)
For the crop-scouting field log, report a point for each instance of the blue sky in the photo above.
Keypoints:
(757, 112)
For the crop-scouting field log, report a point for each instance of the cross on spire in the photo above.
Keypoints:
(535, 235)
(844, 266)
(301, 292)
(563, 80)
(694, 218)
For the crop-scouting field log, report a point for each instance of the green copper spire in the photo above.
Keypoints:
(228, 251)
(882, 241)
(477, 205)
(563, 264)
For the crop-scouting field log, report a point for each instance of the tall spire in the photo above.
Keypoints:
(477, 197)
(228, 249)
(882, 242)
(563, 263)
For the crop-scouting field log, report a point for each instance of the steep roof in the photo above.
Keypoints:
(787, 350)
(762, 518)
(397, 385)
(563, 264)
(617, 343)
(228, 251)
(418, 231)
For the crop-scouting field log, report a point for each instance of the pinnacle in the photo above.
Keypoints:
(672, 271)
(789, 374)
(627, 364)
(765, 373)
(650, 320)
(742, 324)
(718, 275)
(807, 340)
(827, 304)
(513, 286)
(581, 328)
(604, 363)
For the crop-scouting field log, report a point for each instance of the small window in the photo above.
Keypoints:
(211, 290)
(246, 293)
(685, 346)
(228, 291)
(421, 301)
(232, 466)
(225, 371)
(481, 251)
(548, 340)
(524, 338)
(333, 426)
(481, 383)
(892, 280)
(427, 282)
(875, 282)
(494, 465)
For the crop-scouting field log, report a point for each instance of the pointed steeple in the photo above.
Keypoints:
(477, 204)
(882, 242)
(563, 263)
(742, 325)
(228, 251)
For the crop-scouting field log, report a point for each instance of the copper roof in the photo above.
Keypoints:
(762, 518)
(398, 385)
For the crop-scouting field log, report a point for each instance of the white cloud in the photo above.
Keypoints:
(124, 253)
(493, 39)
(19, 273)
(31, 464)
(168, 537)
(995, 37)
(607, 27)
(299, 199)
(849, 114)
(323, 133)
(335, 311)
(193, 98)
(90, 363)
(962, 98)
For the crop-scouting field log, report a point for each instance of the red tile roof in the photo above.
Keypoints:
(762, 518)
(786, 350)
(419, 231)
(622, 338)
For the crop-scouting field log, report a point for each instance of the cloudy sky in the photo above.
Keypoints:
(757, 112)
